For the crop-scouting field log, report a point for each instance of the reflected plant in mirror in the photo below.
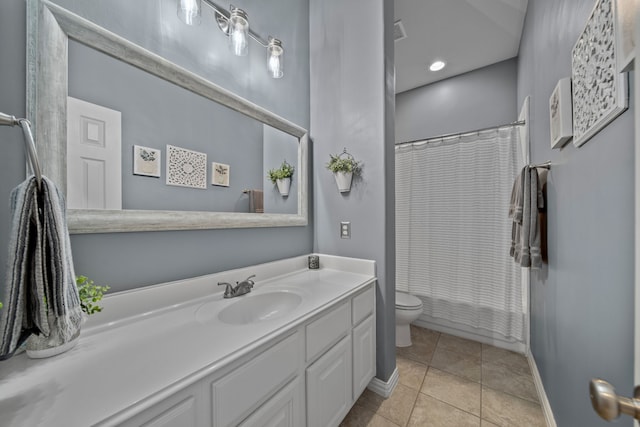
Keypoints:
(282, 177)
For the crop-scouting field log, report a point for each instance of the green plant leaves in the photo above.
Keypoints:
(90, 294)
(284, 171)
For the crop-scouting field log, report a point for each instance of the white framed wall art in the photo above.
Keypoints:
(560, 125)
(220, 174)
(146, 161)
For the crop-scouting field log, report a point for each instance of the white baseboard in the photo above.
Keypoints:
(470, 335)
(542, 395)
(384, 388)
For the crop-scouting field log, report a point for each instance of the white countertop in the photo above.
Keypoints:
(153, 341)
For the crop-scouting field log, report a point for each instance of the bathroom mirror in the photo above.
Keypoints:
(50, 29)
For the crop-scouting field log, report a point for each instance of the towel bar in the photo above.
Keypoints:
(30, 146)
(545, 165)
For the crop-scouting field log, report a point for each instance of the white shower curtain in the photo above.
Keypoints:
(453, 231)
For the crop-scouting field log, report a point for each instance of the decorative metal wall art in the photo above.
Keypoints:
(599, 91)
(186, 168)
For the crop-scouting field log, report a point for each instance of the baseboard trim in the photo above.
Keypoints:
(470, 335)
(542, 395)
(384, 388)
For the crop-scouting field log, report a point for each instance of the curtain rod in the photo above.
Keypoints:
(459, 134)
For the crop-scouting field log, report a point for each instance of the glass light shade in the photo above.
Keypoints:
(190, 11)
(275, 58)
(437, 65)
(239, 32)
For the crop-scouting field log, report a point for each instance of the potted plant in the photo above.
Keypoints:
(282, 177)
(90, 294)
(39, 346)
(344, 167)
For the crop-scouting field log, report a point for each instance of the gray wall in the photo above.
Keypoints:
(582, 301)
(352, 87)
(474, 100)
(128, 260)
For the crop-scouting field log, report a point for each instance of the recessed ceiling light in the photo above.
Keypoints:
(437, 66)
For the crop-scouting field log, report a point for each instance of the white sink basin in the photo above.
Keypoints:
(260, 307)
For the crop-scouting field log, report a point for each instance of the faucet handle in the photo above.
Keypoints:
(228, 290)
(249, 281)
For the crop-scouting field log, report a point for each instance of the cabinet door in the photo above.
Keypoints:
(237, 394)
(285, 409)
(180, 410)
(364, 355)
(329, 386)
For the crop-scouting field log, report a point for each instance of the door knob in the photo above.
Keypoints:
(609, 405)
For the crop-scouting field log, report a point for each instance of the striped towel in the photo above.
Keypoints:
(526, 201)
(40, 293)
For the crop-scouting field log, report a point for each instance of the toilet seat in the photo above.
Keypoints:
(407, 301)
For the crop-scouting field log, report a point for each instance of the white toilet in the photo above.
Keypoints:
(408, 309)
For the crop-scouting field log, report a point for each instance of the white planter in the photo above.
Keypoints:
(283, 186)
(343, 179)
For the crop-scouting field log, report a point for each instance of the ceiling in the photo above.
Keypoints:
(466, 34)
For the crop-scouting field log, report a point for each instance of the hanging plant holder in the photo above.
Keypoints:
(343, 180)
(282, 177)
(344, 166)
(284, 185)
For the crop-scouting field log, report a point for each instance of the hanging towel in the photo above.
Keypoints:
(256, 201)
(40, 292)
(526, 201)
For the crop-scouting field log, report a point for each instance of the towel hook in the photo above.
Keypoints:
(30, 146)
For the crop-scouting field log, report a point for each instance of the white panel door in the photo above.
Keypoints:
(94, 156)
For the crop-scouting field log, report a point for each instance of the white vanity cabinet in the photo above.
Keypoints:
(309, 376)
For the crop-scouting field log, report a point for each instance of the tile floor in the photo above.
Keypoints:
(449, 381)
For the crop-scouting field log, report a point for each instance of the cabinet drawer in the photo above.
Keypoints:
(363, 305)
(327, 330)
(242, 390)
(285, 409)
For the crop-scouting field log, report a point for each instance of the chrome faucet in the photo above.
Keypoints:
(241, 288)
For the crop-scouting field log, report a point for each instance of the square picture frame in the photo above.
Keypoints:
(560, 119)
(147, 161)
(220, 174)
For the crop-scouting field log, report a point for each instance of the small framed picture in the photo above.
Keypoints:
(146, 161)
(220, 175)
(625, 14)
(560, 118)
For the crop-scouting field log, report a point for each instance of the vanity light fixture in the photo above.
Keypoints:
(235, 25)
(189, 11)
(437, 65)
(275, 60)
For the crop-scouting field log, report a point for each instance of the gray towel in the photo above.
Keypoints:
(40, 293)
(525, 231)
(256, 201)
